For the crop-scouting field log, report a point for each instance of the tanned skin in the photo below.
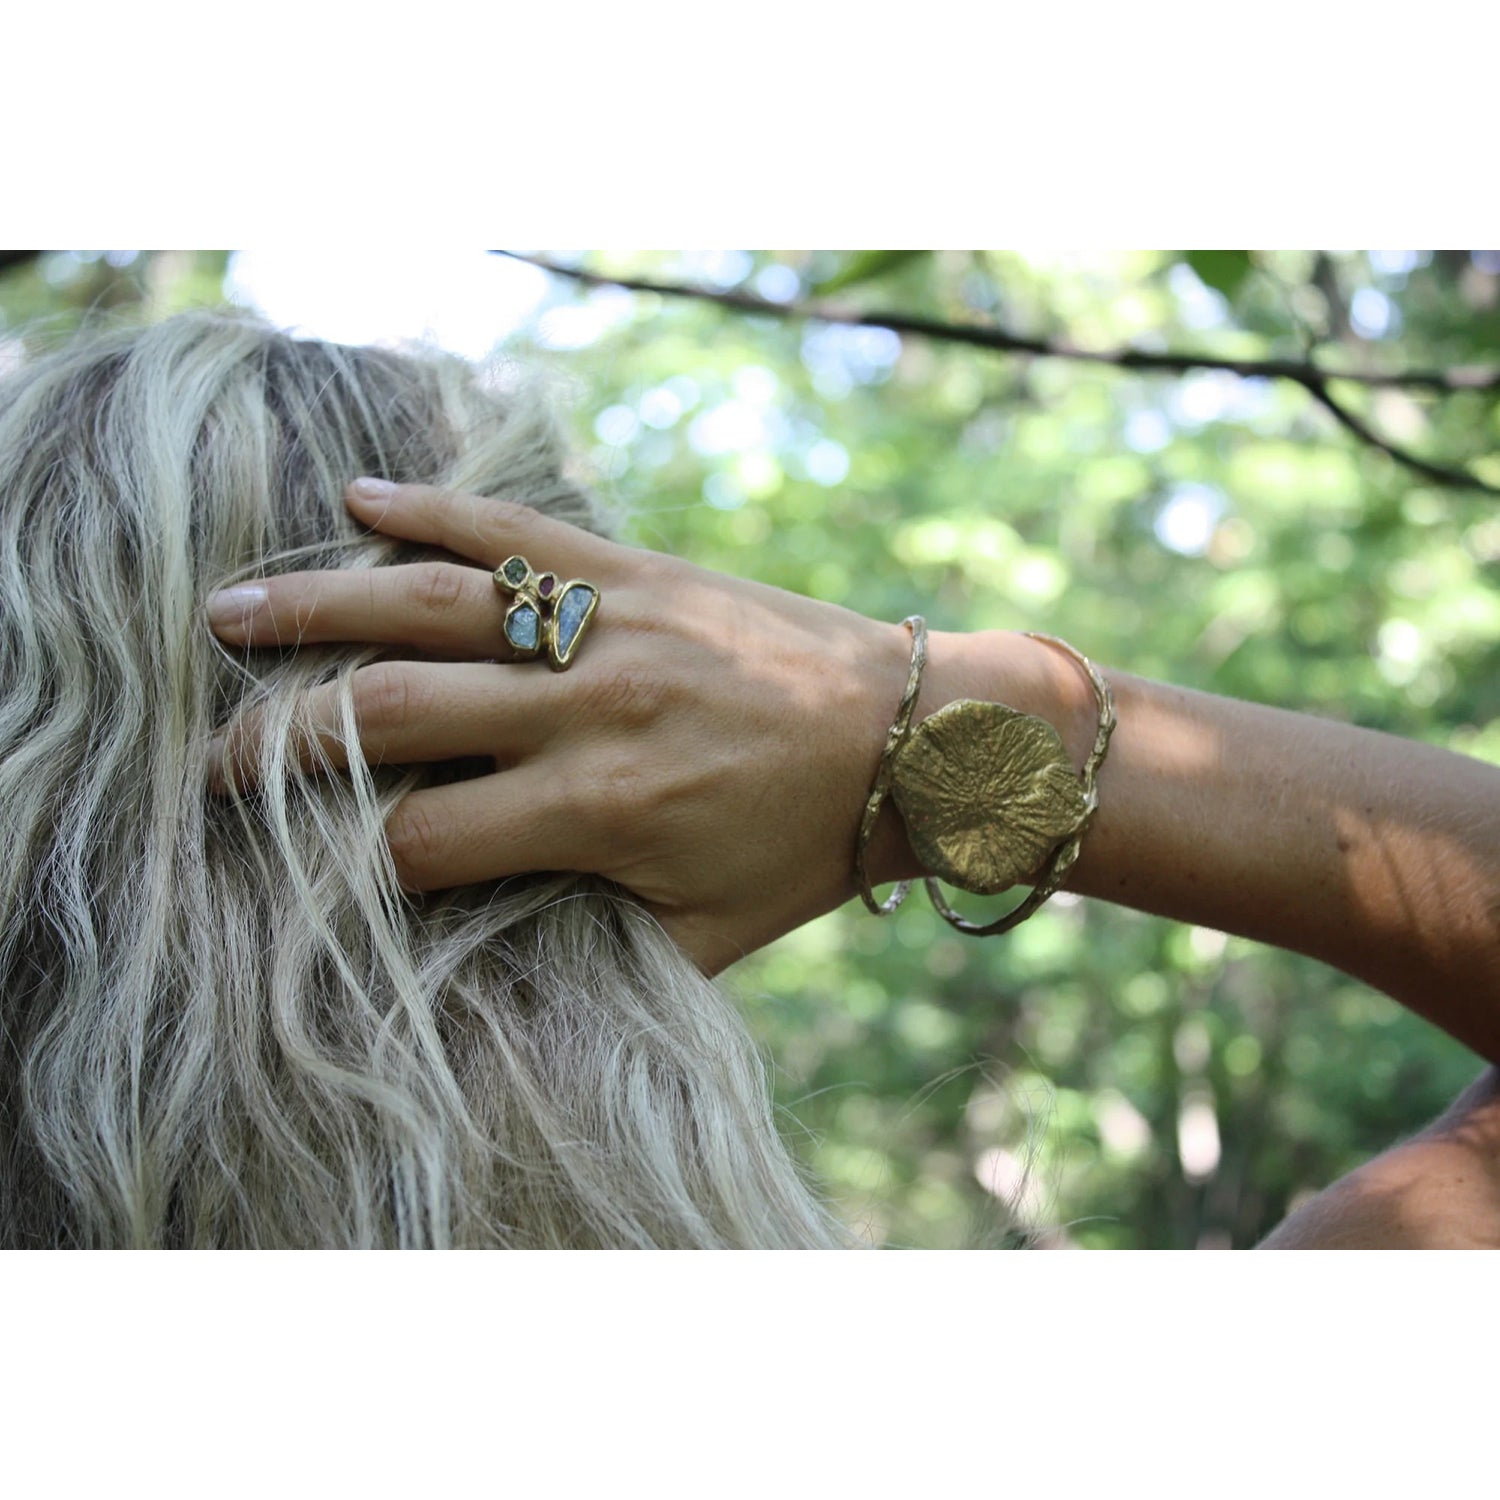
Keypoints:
(713, 745)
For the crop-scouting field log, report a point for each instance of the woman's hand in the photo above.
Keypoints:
(710, 748)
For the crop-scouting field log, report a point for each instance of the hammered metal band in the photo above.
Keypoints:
(546, 616)
(1051, 874)
(894, 739)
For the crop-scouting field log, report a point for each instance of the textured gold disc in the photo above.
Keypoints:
(987, 793)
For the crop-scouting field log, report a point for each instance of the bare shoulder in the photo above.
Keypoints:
(1438, 1191)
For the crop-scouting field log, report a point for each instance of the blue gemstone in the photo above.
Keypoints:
(521, 627)
(571, 610)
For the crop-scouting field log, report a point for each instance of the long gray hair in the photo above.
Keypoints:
(222, 1023)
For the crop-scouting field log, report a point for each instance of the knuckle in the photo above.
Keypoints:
(618, 798)
(636, 609)
(415, 843)
(242, 737)
(386, 696)
(627, 694)
(235, 751)
(654, 571)
(438, 587)
(508, 513)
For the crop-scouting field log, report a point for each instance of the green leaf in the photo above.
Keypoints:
(1223, 270)
(865, 266)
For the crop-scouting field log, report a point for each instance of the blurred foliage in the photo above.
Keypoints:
(1097, 1077)
(53, 295)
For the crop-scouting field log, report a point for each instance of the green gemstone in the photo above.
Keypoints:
(515, 571)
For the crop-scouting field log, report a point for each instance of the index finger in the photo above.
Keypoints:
(477, 526)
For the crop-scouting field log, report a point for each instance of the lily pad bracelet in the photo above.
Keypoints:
(988, 795)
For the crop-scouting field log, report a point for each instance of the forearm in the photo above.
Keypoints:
(1374, 854)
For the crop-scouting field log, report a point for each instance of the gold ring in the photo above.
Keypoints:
(546, 615)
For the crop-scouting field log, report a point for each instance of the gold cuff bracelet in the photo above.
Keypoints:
(989, 797)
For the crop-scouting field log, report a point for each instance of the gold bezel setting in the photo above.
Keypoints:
(560, 624)
(560, 652)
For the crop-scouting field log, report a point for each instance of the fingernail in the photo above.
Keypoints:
(372, 489)
(235, 606)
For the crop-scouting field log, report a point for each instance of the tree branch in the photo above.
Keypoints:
(1304, 373)
(1438, 473)
(1461, 378)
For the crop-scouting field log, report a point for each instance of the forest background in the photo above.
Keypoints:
(899, 431)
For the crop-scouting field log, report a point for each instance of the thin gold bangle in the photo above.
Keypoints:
(894, 739)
